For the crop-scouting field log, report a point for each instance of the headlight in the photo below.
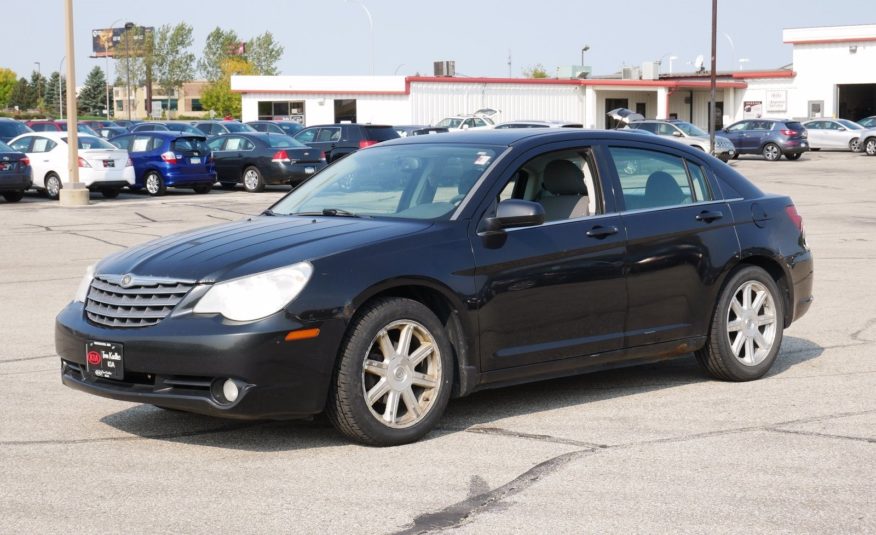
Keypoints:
(255, 296)
(82, 290)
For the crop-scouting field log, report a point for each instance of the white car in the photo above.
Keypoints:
(840, 134)
(102, 166)
(479, 120)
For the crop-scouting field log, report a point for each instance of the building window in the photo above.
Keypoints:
(281, 110)
(196, 105)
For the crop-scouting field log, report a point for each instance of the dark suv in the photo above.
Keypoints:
(338, 140)
(770, 137)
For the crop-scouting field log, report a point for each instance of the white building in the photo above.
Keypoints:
(832, 75)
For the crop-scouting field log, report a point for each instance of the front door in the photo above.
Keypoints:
(556, 290)
(680, 237)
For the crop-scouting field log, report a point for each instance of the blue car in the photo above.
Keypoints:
(169, 159)
(15, 173)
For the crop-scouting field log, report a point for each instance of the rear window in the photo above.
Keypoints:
(283, 142)
(190, 144)
(794, 125)
(12, 128)
(380, 133)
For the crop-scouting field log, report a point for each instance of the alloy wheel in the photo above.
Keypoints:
(152, 184)
(53, 186)
(870, 147)
(402, 374)
(751, 323)
(771, 152)
(251, 180)
(855, 145)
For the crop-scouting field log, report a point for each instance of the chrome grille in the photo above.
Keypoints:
(142, 302)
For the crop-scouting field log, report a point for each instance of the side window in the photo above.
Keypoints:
(42, 144)
(738, 127)
(233, 143)
(650, 127)
(22, 145)
(479, 122)
(216, 144)
(651, 179)
(666, 130)
(698, 179)
(329, 134)
(122, 142)
(246, 144)
(468, 123)
(306, 136)
(156, 143)
(140, 143)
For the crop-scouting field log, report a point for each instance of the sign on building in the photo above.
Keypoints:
(777, 101)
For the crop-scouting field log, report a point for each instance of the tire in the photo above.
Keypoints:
(794, 155)
(154, 184)
(110, 193)
(736, 156)
(228, 185)
(13, 196)
(733, 352)
(374, 338)
(203, 188)
(53, 186)
(252, 180)
(724, 158)
(870, 146)
(855, 144)
(771, 152)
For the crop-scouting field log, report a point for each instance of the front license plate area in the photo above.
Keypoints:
(105, 360)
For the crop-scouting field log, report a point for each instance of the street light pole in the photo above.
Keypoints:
(370, 29)
(585, 48)
(37, 63)
(74, 193)
(128, 26)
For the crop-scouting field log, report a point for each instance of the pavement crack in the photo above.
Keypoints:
(857, 334)
(529, 436)
(7, 361)
(147, 218)
(823, 435)
(97, 239)
(157, 436)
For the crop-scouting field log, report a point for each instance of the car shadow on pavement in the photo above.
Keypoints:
(152, 423)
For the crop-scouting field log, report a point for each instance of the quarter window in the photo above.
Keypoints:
(651, 179)
(698, 179)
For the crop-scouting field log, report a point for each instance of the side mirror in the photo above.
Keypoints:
(513, 213)
(842, 129)
(677, 133)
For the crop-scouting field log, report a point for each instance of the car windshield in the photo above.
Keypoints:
(450, 122)
(283, 142)
(690, 129)
(422, 181)
(238, 127)
(850, 125)
(89, 142)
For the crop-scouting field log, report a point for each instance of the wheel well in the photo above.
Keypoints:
(778, 274)
(447, 313)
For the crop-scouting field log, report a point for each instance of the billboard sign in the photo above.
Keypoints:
(118, 42)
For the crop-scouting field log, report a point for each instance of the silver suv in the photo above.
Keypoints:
(689, 134)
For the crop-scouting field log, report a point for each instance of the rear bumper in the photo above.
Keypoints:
(292, 173)
(107, 178)
(15, 181)
(802, 271)
(794, 146)
(189, 179)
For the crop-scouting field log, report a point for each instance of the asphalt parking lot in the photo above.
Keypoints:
(660, 448)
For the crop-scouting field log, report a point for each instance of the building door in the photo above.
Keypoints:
(856, 101)
(611, 104)
(345, 110)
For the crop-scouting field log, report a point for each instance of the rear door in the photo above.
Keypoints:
(680, 237)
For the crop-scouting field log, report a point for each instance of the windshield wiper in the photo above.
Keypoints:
(332, 212)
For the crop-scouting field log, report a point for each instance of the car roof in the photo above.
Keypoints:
(367, 125)
(52, 134)
(164, 133)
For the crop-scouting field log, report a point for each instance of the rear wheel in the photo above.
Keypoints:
(794, 156)
(394, 376)
(203, 188)
(771, 152)
(870, 146)
(53, 186)
(854, 144)
(252, 180)
(13, 196)
(110, 193)
(155, 184)
(746, 327)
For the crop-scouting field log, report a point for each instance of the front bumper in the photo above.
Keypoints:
(177, 363)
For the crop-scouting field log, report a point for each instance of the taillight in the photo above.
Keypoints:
(280, 156)
(367, 143)
(787, 132)
(795, 218)
(25, 161)
(83, 163)
(168, 157)
(322, 156)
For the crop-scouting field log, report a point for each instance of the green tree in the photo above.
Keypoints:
(8, 80)
(20, 95)
(218, 96)
(36, 91)
(92, 96)
(264, 53)
(535, 71)
(51, 98)
(174, 63)
(220, 45)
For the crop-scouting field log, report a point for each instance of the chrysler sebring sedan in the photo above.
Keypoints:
(431, 267)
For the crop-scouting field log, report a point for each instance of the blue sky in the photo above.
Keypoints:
(324, 37)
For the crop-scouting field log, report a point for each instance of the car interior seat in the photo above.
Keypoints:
(662, 190)
(567, 199)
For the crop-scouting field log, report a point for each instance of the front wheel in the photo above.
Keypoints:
(870, 146)
(854, 144)
(155, 184)
(771, 152)
(394, 374)
(252, 180)
(13, 196)
(747, 326)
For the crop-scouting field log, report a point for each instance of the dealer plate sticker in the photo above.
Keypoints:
(105, 360)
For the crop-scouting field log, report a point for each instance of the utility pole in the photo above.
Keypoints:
(713, 82)
(74, 193)
(510, 75)
(60, 83)
(128, 26)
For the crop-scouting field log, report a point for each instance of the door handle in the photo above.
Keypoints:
(599, 232)
(708, 215)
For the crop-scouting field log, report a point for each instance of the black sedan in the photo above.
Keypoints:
(455, 263)
(261, 158)
(16, 176)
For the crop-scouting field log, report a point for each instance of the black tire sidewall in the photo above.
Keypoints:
(13, 196)
(721, 343)
(352, 359)
(53, 176)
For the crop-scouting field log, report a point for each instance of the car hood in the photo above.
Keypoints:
(258, 244)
